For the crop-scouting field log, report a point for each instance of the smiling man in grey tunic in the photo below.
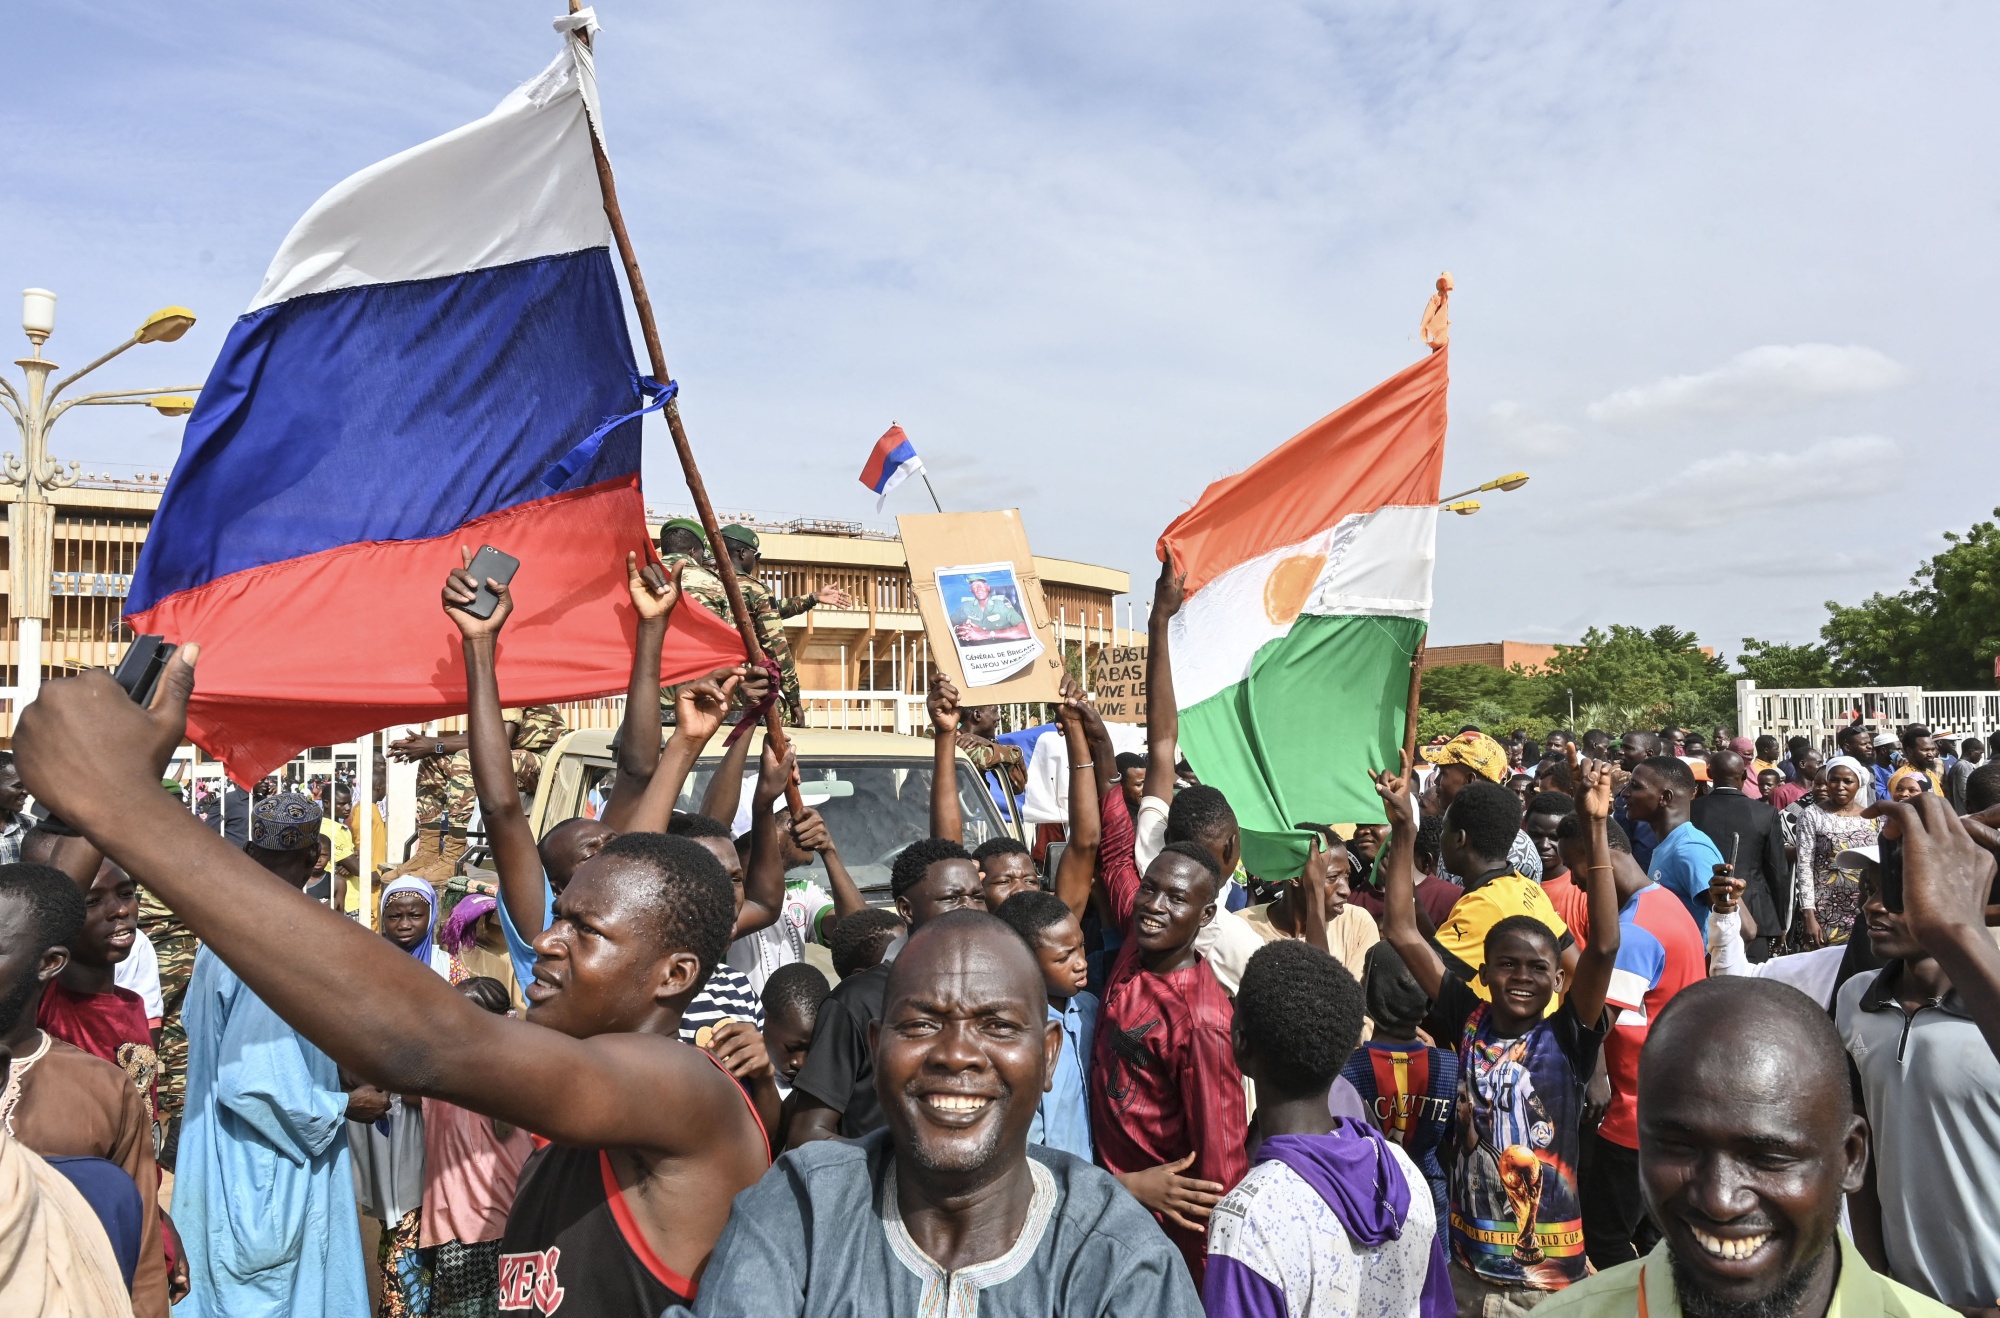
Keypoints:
(948, 1211)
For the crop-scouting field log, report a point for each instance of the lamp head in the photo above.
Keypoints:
(165, 325)
(171, 404)
(1513, 480)
(38, 314)
(1464, 507)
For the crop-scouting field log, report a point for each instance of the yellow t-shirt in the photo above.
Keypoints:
(1462, 936)
(381, 843)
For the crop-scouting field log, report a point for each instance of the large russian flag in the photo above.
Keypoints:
(1308, 589)
(429, 363)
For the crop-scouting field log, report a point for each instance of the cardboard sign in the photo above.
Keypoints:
(982, 605)
(1118, 683)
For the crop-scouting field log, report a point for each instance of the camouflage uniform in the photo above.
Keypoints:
(175, 945)
(996, 756)
(446, 796)
(697, 582)
(771, 635)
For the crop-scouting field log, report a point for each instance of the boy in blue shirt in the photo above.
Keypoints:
(1053, 933)
(1661, 795)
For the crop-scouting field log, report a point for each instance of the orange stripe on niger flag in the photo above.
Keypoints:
(1384, 448)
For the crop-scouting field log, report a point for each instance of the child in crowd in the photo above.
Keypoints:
(471, 1165)
(1516, 1219)
(1053, 933)
(1332, 1218)
(858, 942)
(1409, 1087)
(791, 1006)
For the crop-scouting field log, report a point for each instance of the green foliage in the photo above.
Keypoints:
(1942, 633)
(1775, 666)
(1630, 677)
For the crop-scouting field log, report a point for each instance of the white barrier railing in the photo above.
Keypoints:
(1817, 712)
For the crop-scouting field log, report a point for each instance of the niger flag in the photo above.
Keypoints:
(1308, 590)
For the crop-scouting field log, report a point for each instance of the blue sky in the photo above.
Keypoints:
(1724, 271)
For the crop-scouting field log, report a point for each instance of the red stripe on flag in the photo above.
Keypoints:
(347, 641)
(892, 438)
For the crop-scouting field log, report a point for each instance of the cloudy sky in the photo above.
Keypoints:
(1725, 271)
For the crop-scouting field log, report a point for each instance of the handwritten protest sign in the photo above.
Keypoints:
(1118, 683)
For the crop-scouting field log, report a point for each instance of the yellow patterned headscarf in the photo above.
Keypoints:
(1476, 751)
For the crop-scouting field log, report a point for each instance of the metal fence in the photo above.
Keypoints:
(1818, 712)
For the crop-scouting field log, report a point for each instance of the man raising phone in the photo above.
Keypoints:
(651, 1138)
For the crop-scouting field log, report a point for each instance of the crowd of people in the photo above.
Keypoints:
(1654, 1024)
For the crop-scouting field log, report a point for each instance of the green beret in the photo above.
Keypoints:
(741, 534)
(683, 524)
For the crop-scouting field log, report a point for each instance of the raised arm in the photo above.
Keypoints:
(699, 708)
(515, 859)
(764, 872)
(942, 704)
(1399, 882)
(1592, 977)
(639, 731)
(1163, 718)
(1086, 823)
(810, 833)
(96, 758)
(725, 785)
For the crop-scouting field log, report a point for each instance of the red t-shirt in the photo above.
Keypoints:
(1660, 952)
(1163, 1082)
(1571, 902)
(107, 1025)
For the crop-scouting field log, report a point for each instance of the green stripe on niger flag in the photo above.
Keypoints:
(1293, 742)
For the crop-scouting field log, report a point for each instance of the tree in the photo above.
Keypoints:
(1942, 633)
(1777, 666)
(1630, 677)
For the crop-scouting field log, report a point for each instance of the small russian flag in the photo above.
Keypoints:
(894, 461)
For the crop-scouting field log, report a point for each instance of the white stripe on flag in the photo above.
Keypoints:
(910, 467)
(1376, 562)
(518, 184)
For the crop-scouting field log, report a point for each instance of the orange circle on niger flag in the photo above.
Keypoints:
(1290, 582)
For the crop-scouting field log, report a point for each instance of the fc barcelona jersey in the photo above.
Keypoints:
(1411, 1092)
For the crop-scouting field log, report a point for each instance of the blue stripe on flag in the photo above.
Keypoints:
(394, 412)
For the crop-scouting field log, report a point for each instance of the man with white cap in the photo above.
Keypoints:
(264, 1194)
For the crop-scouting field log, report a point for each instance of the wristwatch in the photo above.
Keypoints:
(438, 748)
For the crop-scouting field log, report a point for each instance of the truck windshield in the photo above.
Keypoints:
(873, 807)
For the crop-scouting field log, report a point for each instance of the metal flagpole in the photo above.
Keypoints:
(924, 475)
(657, 358)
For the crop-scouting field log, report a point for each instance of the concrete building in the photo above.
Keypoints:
(1491, 654)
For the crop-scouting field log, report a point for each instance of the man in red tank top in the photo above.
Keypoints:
(652, 1131)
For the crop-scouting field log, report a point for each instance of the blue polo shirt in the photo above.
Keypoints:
(1062, 1120)
(1683, 863)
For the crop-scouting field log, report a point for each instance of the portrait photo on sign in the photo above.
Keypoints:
(989, 626)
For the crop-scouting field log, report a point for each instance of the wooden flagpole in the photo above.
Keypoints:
(1436, 331)
(656, 355)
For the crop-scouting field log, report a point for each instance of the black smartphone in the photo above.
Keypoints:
(1890, 873)
(139, 671)
(490, 564)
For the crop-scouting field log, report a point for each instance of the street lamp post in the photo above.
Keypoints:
(30, 517)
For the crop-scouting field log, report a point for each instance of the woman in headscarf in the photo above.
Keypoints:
(1829, 899)
(1907, 783)
(389, 1153)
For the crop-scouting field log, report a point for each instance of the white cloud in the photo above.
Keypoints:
(1723, 488)
(1522, 429)
(1717, 570)
(1772, 378)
